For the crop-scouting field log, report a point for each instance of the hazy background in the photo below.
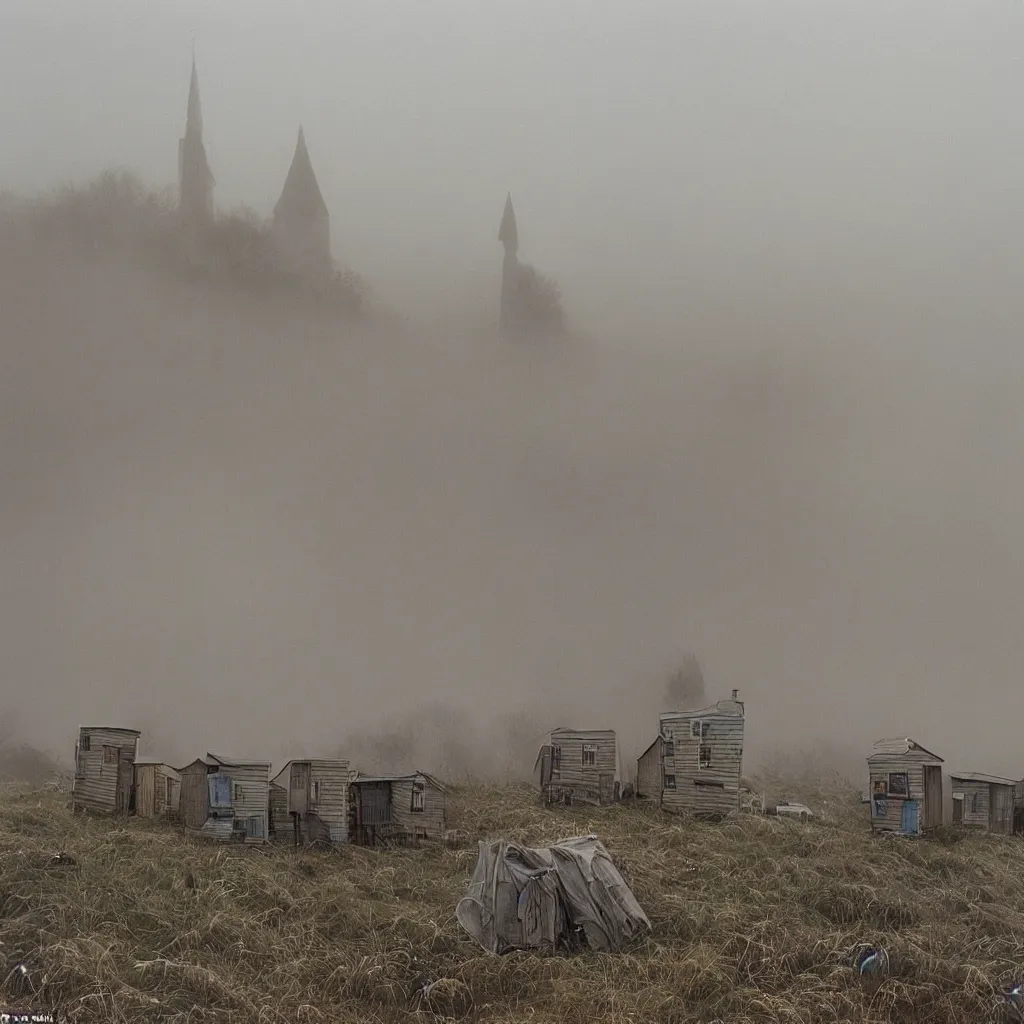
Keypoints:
(786, 434)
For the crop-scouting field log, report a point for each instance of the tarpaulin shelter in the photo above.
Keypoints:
(565, 896)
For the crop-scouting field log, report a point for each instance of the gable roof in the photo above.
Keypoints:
(899, 746)
(336, 761)
(729, 707)
(301, 195)
(235, 762)
(433, 780)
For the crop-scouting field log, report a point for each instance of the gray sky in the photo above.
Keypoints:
(656, 151)
(793, 235)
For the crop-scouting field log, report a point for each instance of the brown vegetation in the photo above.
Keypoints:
(754, 920)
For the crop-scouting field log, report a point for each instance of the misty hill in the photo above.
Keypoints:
(754, 921)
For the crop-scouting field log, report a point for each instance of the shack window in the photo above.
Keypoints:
(668, 749)
(700, 730)
(83, 743)
(314, 792)
(975, 803)
(418, 797)
(254, 826)
(899, 784)
(704, 756)
(589, 755)
(236, 793)
(670, 782)
(110, 754)
(556, 758)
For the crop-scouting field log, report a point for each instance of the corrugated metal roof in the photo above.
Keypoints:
(900, 745)
(401, 778)
(995, 780)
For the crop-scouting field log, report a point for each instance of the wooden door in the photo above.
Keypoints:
(1001, 809)
(606, 788)
(194, 800)
(125, 783)
(932, 796)
(958, 812)
(374, 810)
(298, 790)
(909, 820)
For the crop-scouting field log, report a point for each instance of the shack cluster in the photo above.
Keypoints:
(308, 802)
(694, 766)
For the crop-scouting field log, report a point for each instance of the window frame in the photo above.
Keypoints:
(665, 784)
(703, 762)
(890, 791)
(111, 754)
(419, 789)
(589, 755)
(236, 792)
(314, 791)
(668, 748)
(84, 742)
(556, 758)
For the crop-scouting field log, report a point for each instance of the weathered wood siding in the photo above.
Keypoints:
(1001, 798)
(570, 777)
(280, 821)
(95, 785)
(986, 805)
(431, 822)
(156, 790)
(194, 802)
(649, 772)
(887, 812)
(250, 798)
(708, 784)
(328, 801)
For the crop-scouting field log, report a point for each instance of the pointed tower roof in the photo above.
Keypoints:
(508, 234)
(301, 194)
(194, 164)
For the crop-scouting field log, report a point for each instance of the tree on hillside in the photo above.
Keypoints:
(685, 687)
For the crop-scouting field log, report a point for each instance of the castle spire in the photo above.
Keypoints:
(302, 223)
(508, 234)
(195, 179)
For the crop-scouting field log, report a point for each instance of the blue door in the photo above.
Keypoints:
(909, 823)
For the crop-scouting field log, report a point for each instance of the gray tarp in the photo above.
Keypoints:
(523, 897)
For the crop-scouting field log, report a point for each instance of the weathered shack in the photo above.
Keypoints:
(983, 801)
(315, 806)
(905, 783)
(239, 794)
(578, 766)
(104, 768)
(397, 808)
(649, 771)
(194, 800)
(702, 759)
(157, 789)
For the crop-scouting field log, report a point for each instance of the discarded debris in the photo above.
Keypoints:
(565, 897)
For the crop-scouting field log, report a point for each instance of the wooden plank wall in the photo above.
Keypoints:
(95, 782)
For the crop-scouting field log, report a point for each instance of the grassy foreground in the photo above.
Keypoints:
(753, 921)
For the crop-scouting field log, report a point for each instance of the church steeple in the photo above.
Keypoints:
(508, 235)
(195, 179)
(302, 223)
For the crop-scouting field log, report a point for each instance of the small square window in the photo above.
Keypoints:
(699, 730)
(418, 797)
(899, 784)
(704, 756)
(670, 782)
(589, 755)
(111, 755)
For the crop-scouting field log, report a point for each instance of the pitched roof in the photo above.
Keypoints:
(432, 779)
(301, 193)
(898, 746)
(508, 233)
(235, 762)
(722, 707)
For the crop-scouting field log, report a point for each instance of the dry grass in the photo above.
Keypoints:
(754, 920)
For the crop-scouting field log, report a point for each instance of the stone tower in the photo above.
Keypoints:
(195, 179)
(302, 224)
(508, 235)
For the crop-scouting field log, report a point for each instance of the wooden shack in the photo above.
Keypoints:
(905, 786)
(649, 771)
(239, 800)
(983, 801)
(397, 808)
(702, 759)
(315, 806)
(157, 789)
(104, 768)
(194, 799)
(578, 766)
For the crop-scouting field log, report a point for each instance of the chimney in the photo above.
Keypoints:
(735, 694)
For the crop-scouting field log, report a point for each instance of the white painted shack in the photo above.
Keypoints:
(983, 802)
(578, 766)
(104, 768)
(397, 808)
(904, 786)
(702, 759)
(239, 796)
(157, 789)
(315, 804)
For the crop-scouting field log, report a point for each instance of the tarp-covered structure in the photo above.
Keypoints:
(563, 897)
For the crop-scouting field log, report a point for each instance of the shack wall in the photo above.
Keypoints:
(708, 785)
(431, 822)
(887, 811)
(592, 783)
(96, 775)
(250, 798)
(649, 771)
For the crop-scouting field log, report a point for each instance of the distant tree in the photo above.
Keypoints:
(685, 687)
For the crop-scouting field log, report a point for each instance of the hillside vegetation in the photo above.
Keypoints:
(754, 920)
